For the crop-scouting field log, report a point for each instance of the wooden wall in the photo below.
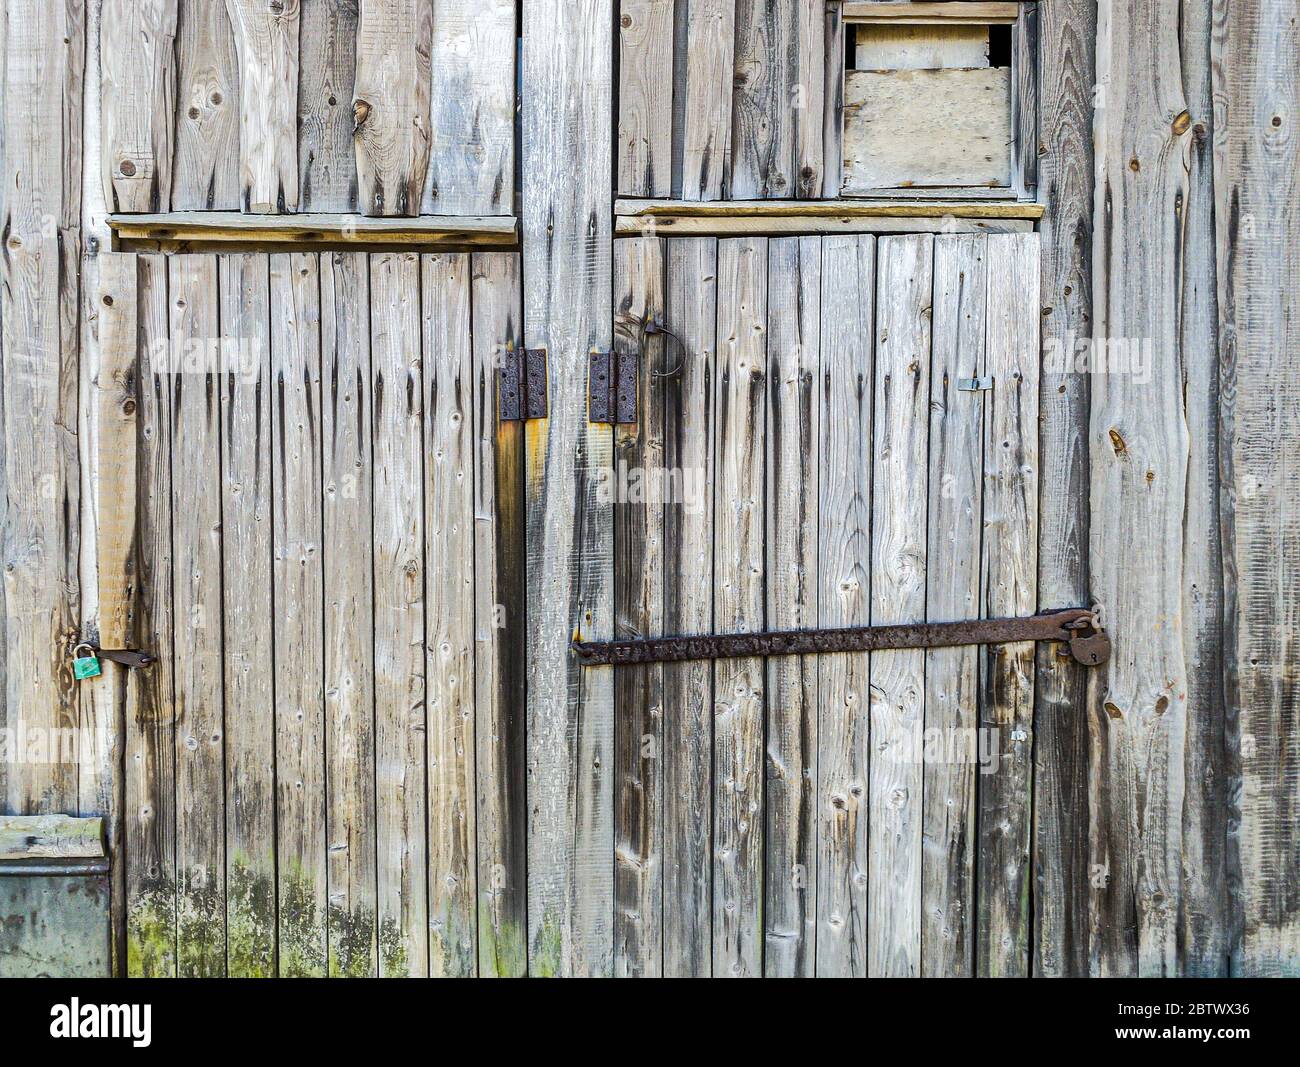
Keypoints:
(404, 107)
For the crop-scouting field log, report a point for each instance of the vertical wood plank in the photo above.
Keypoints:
(449, 580)
(472, 123)
(349, 615)
(138, 102)
(791, 567)
(1010, 588)
(902, 398)
(400, 721)
(952, 593)
(636, 486)
(645, 97)
(266, 48)
(1067, 30)
(844, 599)
(205, 174)
(1255, 60)
(150, 796)
(248, 655)
(500, 652)
(197, 591)
(738, 684)
(1138, 449)
(833, 53)
(568, 146)
(390, 105)
(691, 313)
(327, 166)
(710, 74)
(298, 595)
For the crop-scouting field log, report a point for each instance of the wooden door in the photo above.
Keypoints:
(806, 457)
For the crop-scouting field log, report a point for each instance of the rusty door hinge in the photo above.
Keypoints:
(613, 381)
(521, 384)
(1078, 627)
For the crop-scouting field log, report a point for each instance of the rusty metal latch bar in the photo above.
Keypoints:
(613, 380)
(521, 385)
(127, 657)
(1078, 627)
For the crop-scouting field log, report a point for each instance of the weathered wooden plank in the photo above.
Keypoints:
(834, 36)
(953, 592)
(1061, 889)
(205, 172)
(500, 654)
(710, 75)
(1010, 588)
(150, 721)
(197, 613)
(926, 128)
(400, 720)
(924, 13)
(1138, 451)
(793, 226)
(843, 599)
(911, 47)
(957, 209)
(1024, 102)
(298, 584)
(898, 550)
(794, 272)
(347, 475)
(138, 101)
(390, 105)
(43, 52)
(266, 48)
(738, 604)
(248, 660)
(691, 313)
(51, 836)
(472, 124)
(327, 166)
(645, 96)
(1255, 77)
(568, 146)
(777, 100)
(449, 577)
(291, 232)
(636, 485)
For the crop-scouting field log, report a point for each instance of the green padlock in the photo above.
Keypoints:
(86, 666)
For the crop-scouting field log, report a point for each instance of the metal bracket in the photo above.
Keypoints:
(521, 384)
(1078, 627)
(127, 657)
(975, 385)
(613, 383)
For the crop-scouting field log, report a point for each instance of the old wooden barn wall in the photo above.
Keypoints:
(1164, 836)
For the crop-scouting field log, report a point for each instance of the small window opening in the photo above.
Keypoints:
(1000, 46)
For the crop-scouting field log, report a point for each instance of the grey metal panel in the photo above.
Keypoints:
(54, 925)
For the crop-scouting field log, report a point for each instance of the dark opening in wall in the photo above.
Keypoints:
(1000, 46)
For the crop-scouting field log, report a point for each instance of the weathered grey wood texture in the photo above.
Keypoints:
(396, 108)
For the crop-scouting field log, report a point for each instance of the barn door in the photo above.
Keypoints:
(324, 766)
(833, 431)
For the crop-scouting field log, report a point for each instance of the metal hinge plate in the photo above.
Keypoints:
(975, 385)
(613, 381)
(521, 383)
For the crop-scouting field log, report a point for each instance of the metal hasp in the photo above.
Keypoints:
(54, 896)
(1077, 627)
(521, 385)
(612, 382)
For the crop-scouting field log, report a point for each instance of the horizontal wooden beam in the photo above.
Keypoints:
(216, 228)
(51, 837)
(926, 14)
(838, 209)
(791, 225)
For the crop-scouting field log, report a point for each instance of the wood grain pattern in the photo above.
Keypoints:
(902, 396)
(327, 169)
(738, 684)
(298, 596)
(472, 124)
(197, 590)
(205, 174)
(349, 615)
(398, 533)
(793, 465)
(390, 105)
(691, 313)
(645, 97)
(845, 389)
(138, 102)
(956, 497)
(500, 654)
(450, 569)
(706, 126)
(266, 47)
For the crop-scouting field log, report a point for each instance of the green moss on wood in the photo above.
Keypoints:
(250, 922)
(151, 932)
(351, 942)
(302, 927)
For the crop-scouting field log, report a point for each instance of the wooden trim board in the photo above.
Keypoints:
(920, 14)
(357, 232)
